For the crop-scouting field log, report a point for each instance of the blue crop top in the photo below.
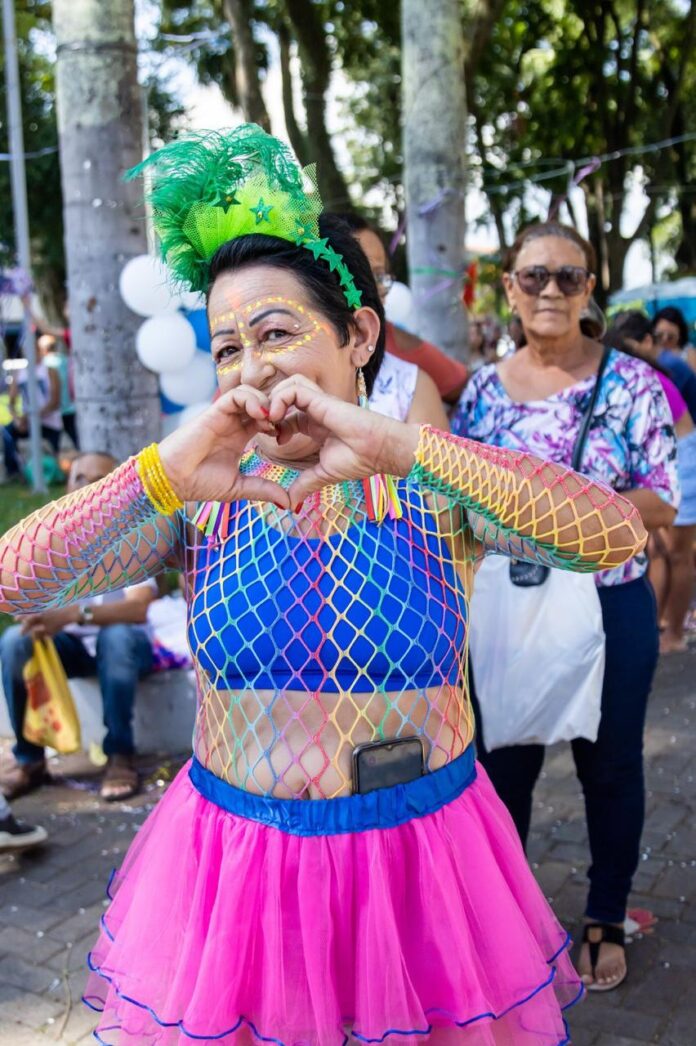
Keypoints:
(370, 608)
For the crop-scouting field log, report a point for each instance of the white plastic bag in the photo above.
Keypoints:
(537, 655)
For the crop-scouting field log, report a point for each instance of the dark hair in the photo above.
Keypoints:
(672, 314)
(631, 325)
(355, 222)
(545, 229)
(322, 285)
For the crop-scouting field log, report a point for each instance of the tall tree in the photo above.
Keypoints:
(434, 107)
(239, 14)
(100, 133)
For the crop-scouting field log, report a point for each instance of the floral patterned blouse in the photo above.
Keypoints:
(631, 441)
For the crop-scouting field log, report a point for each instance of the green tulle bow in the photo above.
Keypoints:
(209, 187)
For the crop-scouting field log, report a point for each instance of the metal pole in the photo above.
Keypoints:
(21, 223)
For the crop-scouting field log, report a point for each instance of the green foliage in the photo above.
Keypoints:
(36, 70)
(563, 79)
(548, 81)
(213, 55)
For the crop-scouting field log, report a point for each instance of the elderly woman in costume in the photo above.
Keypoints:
(330, 866)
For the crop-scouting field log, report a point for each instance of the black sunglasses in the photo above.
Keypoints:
(570, 279)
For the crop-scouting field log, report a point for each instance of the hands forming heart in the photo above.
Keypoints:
(202, 459)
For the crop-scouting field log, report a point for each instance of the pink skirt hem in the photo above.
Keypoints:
(223, 930)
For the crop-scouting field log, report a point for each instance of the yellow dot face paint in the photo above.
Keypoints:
(269, 327)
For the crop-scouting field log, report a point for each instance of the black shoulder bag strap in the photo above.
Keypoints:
(581, 441)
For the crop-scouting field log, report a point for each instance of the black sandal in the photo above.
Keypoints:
(595, 935)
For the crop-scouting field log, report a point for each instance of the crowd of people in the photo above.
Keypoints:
(328, 514)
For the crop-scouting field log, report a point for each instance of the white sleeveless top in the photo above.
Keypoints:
(53, 420)
(394, 387)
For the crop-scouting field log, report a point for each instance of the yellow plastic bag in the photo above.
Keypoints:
(50, 717)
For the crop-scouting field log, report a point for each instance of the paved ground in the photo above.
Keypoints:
(50, 902)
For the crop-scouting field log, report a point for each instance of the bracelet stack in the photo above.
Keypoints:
(155, 483)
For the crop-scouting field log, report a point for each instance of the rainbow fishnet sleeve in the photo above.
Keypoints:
(529, 508)
(105, 536)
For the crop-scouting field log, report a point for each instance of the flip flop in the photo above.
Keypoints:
(595, 935)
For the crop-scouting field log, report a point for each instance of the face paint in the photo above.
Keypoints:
(297, 328)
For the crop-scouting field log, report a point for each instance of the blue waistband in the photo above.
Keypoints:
(383, 808)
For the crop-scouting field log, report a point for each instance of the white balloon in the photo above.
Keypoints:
(165, 343)
(192, 384)
(189, 413)
(146, 288)
(398, 303)
(170, 422)
(192, 300)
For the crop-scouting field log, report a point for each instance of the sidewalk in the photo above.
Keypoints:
(50, 901)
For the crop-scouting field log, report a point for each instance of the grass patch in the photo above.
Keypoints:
(17, 500)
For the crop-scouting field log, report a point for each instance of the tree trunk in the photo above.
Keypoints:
(99, 121)
(434, 109)
(248, 86)
(315, 58)
(295, 132)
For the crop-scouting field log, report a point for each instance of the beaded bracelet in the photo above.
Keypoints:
(155, 483)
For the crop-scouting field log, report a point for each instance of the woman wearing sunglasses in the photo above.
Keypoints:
(536, 400)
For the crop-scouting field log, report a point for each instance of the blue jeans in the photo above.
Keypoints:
(610, 769)
(10, 435)
(124, 655)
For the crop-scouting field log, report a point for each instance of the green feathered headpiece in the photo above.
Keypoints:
(213, 186)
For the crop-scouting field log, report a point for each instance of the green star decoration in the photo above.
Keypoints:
(332, 259)
(353, 297)
(317, 247)
(261, 211)
(227, 200)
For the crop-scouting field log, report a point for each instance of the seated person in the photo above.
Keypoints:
(168, 629)
(48, 388)
(104, 636)
(16, 835)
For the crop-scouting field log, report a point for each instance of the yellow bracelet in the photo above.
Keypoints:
(159, 482)
(157, 487)
(155, 483)
(149, 483)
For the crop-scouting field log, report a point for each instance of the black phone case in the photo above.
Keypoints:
(382, 764)
(527, 575)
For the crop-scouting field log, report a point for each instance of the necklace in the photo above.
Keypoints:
(378, 496)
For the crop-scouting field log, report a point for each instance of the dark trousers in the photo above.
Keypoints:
(610, 769)
(10, 435)
(124, 655)
(70, 429)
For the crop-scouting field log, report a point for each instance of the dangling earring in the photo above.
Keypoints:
(381, 495)
(362, 389)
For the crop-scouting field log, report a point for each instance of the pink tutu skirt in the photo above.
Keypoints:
(283, 924)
